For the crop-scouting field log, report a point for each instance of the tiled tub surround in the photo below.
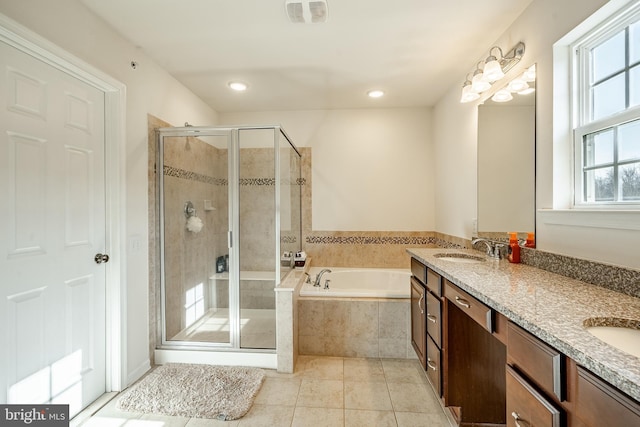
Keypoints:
(550, 306)
(355, 327)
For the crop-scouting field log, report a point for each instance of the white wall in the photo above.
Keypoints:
(150, 90)
(372, 169)
(541, 25)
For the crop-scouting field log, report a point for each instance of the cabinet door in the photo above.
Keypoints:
(600, 404)
(418, 321)
(526, 406)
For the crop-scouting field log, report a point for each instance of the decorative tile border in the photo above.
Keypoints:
(288, 239)
(370, 240)
(193, 176)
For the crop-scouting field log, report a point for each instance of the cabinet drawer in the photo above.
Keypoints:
(434, 316)
(600, 404)
(526, 406)
(542, 364)
(419, 270)
(468, 304)
(433, 366)
(434, 282)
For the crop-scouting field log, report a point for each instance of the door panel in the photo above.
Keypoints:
(52, 293)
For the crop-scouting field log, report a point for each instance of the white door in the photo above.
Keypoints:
(52, 225)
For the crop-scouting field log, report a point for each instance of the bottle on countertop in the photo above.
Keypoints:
(514, 248)
(531, 241)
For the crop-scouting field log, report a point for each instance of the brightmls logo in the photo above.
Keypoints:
(34, 415)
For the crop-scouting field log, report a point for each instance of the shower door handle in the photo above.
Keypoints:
(100, 258)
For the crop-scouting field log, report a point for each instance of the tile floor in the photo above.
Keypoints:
(323, 391)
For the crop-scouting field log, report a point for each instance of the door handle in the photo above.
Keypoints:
(100, 258)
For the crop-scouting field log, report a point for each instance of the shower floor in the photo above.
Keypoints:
(257, 328)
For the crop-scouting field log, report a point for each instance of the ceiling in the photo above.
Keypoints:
(414, 50)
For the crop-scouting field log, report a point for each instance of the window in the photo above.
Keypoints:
(607, 110)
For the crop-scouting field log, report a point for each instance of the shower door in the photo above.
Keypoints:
(229, 205)
(194, 209)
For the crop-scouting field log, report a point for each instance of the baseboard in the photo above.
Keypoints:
(137, 373)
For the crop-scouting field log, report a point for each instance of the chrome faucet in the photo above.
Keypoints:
(493, 249)
(319, 276)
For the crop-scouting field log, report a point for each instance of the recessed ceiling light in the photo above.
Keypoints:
(375, 93)
(238, 86)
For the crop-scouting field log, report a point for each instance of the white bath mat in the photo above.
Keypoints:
(200, 391)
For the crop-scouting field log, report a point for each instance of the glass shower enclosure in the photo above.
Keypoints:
(229, 207)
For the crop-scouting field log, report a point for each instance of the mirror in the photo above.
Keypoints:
(506, 166)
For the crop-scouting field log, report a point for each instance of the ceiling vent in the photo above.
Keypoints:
(307, 11)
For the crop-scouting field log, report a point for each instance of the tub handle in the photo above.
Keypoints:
(420, 306)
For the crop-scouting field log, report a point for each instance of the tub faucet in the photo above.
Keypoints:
(319, 276)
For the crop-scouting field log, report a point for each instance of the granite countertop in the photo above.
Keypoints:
(551, 307)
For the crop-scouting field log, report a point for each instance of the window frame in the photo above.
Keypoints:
(582, 103)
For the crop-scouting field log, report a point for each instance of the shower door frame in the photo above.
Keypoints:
(233, 234)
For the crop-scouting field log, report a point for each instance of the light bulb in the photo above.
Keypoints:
(517, 85)
(503, 95)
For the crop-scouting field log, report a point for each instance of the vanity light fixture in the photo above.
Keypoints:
(376, 93)
(493, 69)
(238, 86)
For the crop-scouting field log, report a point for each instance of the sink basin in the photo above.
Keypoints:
(622, 334)
(459, 257)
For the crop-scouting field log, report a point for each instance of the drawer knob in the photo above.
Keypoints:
(431, 318)
(432, 365)
(518, 420)
(463, 302)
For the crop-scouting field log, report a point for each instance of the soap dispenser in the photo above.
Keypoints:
(514, 248)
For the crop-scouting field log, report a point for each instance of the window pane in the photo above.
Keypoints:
(608, 97)
(630, 182)
(634, 86)
(599, 185)
(598, 148)
(634, 42)
(608, 57)
(629, 141)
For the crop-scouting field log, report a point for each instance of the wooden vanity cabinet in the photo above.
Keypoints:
(488, 371)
